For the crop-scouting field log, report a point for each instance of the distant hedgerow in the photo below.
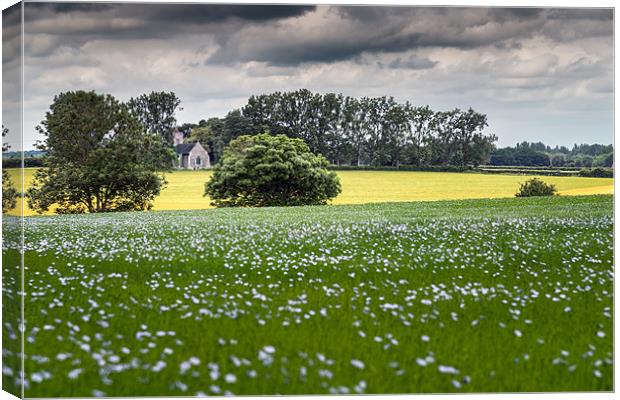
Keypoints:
(536, 187)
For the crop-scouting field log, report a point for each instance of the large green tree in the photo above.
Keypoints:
(264, 170)
(98, 157)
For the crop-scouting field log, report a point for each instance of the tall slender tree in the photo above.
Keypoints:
(156, 112)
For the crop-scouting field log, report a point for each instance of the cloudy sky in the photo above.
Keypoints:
(539, 74)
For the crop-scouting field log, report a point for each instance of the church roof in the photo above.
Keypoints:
(184, 148)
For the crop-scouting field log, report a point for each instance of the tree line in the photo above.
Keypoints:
(539, 154)
(346, 130)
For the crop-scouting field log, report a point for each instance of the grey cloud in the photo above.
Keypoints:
(173, 15)
(299, 51)
(357, 30)
(412, 63)
(601, 14)
(73, 25)
(11, 34)
(397, 29)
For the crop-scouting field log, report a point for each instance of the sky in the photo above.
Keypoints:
(538, 74)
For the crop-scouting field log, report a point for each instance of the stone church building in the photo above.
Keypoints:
(190, 155)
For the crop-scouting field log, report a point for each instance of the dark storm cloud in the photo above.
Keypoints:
(355, 30)
(11, 32)
(70, 7)
(84, 22)
(172, 14)
(398, 29)
(307, 50)
(212, 13)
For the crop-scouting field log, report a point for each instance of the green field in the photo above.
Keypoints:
(185, 188)
(452, 296)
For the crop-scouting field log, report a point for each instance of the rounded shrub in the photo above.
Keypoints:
(536, 187)
(264, 170)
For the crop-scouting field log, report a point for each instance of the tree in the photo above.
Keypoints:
(9, 193)
(447, 148)
(377, 130)
(264, 170)
(603, 160)
(98, 157)
(156, 112)
(420, 126)
(557, 160)
(354, 115)
(202, 134)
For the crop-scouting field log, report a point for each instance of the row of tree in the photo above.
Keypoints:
(539, 154)
(355, 131)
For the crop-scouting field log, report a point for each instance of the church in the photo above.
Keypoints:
(190, 155)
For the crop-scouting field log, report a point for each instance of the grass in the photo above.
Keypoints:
(450, 296)
(185, 188)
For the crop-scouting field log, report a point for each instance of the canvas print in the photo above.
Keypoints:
(229, 199)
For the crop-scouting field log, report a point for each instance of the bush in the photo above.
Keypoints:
(536, 187)
(597, 173)
(264, 170)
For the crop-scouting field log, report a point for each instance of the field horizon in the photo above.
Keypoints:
(185, 189)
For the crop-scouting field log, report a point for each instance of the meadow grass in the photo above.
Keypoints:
(185, 189)
(451, 296)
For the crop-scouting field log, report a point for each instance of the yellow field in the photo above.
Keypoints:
(185, 188)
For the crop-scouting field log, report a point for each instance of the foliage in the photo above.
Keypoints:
(356, 131)
(16, 162)
(156, 112)
(378, 131)
(9, 193)
(216, 133)
(603, 160)
(522, 156)
(426, 168)
(98, 157)
(536, 187)
(597, 172)
(527, 171)
(264, 170)
(539, 154)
